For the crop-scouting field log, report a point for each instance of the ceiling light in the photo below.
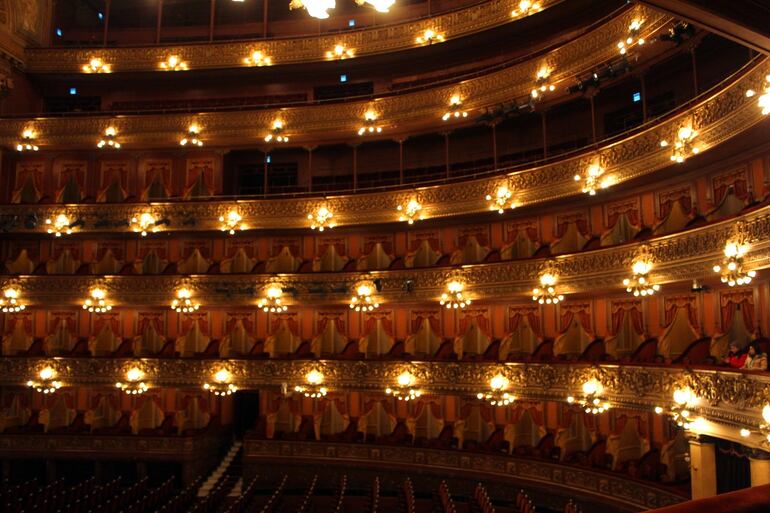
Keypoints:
(501, 199)
(97, 302)
(731, 269)
(364, 299)
(173, 63)
(10, 302)
(257, 58)
(27, 143)
(96, 65)
(369, 125)
(183, 303)
(276, 133)
(192, 137)
(763, 102)
(633, 37)
(455, 109)
(453, 297)
(322, 219)
(410, 212)
(109, 140)
(640, 284)
(542, 83)
(429, 36)
(315, 8)
(272, 302)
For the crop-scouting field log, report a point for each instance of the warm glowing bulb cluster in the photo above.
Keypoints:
(429, 36)
(594, 179)
(322, 219)
(46, 383)
(134, 384)
(731, 269)
(314, 387)
(144, 223)
(315, 8)
(763, 102)
(639, 283)
(231, 222)
(526, 8)
(192, 137)
(379, 5)
(546, 293)
(272, 302)
(109, 139)
(173, 63)
(497, 395)
(59, 225)
(453, 297)
(183, 303)
(369, 125)
(9, 301)
(679, 411)
(97, 65)
(501, 199)
(340, 52)
(27, 141)
(591, 402)
(684, 144)
(633, 37)
(404, 389)
(455, 109)
(222, 385)
(276, 133)
(764, 429)
(410, 212)
(541, 83)
(96, 302)
(257, 58)
(364, 300)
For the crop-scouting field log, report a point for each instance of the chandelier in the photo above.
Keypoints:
(501, 199)
(183, 303)
(763, 102)
(276, 133)
(592, 180)
(257, 58)
(27, 141)
(404, 389)
(526, 8)
(144, 223)
(429, 36)
(411, 211)
(322, 219)
(592, 401)
(731, 268)
(364, 299)
(314, 385)
(541, 82)
(684, 144)
(231, 222)
(46, 382)
(96, 65)
(633, 37)
(96, 302)
(455, 109)
(679, 411)
(59, 225)
(453, 297)
(639, 284)
(369, 125)
(109, 140)
(9, 302)
(272, 302)
(379, 5)
(341, 52)
(222, 384)
(546, 293)
(192, 137)
(497, 395)
(134, 384)
(173, 63)
(315, 8)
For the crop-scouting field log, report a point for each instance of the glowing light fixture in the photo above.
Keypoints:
(272, 302)
(134, 383)
(455, 109)
(27, 143)
(542, 83)
(684, 144)
(231, 222)
(46, 381)
(59, 225)
(276, 133)
(144, 223)
(453, 297)
(183, 303)
(679, 411)
(109, 139)
(97, 302)
(321, 219)
(222, 384)
(429, 36)
(547, 293)
(315, 8)
(593, 179)
(765, 428)
(10, 300)
(526, 8)
(501, 199)
(404, 389)
(257, 58)
(731, 269)
(314, 385)
(633, 37)
(192, 137)
(369, 125)
(410, 212)
(639, 284)
(97, 65)
(763, 102)
(340, 52)
(173, 63)
(364, 299)
(592, 401)
(497, 394)
(379, 5)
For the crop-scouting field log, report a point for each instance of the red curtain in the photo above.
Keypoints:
(112, 399)
(563, 222)
(291, 324)
(339, 246)
(622, 420)
(516, 315)
(196, 173)
(387, 246)
(431, 237)
(153, 319)
(26, 173)
(738, 183)
(667, 200)
(686, 302)
(631, 211)
(190, 318)
(111, 319)
(162, 174)
(529, 228)
(371, 322)
(731, 301)
(619, 312)
(339, 323)
(419, 317)
(583, 317)
(245, 318)
(481, 321)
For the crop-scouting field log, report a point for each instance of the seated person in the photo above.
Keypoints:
(734, 359)
(755, 359)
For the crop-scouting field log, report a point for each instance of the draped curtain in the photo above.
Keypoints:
(730, 302)
(529, 229)
(204, 174)
(736, 180)
(687, 303)
(630, 211)
(66, 175)
(563, 222)
(338, 322)
(431, 317)
(517, 316)
(431, 238)
(481, 320)
(160, 174)
(371, 323)
(619, 312)
(290, 321)
(568, 313)
(667, 201)
(24, 175)
(112, 175)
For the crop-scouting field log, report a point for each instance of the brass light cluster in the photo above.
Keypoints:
(731, 269)
(222, 384)
(455, 109)
(526, 8)
(364, 299)
(594, 178)
(679, 411)
(231, 222)
(547, 293)
(315, 8)
(46, 381)
(639, 284)
(501, 199)
(10, 300)
(369, 125)
(59, 225)
(765, 428)
(633, 37)
(340, 52)
(429, 36)
(404, 390)
(109, 139)
(542, 83)
(192, 138)
(97, 302)
(144, 223)
(96, 65)
(684, 144)
(257, 58)
(134, 383)
(763, 102)
(27, 143)
(378, 5)
(592, 401)
(410, 212)
(497, 394)
(313, 386)
(272, 302)
(453, 298)
(183, 302)
(321, 219)
(276, 133)
(173, 63)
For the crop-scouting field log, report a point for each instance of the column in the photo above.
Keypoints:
(212, 15)
(264, 19)
(106, 21)
(760, 470)
(703, 469)
(159, 22)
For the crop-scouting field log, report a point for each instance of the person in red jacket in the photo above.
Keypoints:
(733, 359)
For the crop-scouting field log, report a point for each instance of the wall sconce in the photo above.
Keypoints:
(231, 222)
(222, 384)
(547, 293)
(455, 109)
(501, 199)
(639, 284)
(315, 8)
(410, 212)
(731, 269)
(144, 223)
(679, 411)
(192, 137)
(10, 300)
(109, 140)
(96, 65)
(684, 144)
(27, 143)
(314, 387)
(541, 83)
(594, 178)
(134, 384)
(369, 125)
(46, 381)
(272, 302)
(592, 401)
(60, 225)
(429, 36)
(633, 37)
(497, 395)
(364, 299)
(257, 58)
(453, 297)
(404, 389)
(173, 63)
(763, 102)
(96, 302)
(276, 133)
(322, 219)
(183, 303)
(341, 52)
